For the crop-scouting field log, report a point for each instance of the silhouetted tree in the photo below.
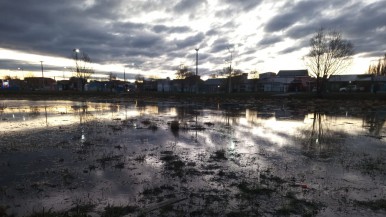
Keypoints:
(112, 76)
(139, 79)
(182, 73)
(378, 68)
(329, 54)
(229, 73)
(83, 69)
(254, 74)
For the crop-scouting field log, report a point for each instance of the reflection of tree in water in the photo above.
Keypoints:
(82, 112)
(374, 121)
(319, 139)
(85, 118)
(231, 116)
(2, 108)
(34, 111)
(140, 106)
(186, 115)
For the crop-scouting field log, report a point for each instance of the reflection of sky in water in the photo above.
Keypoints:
(103, 129)
(27, 115)
(24, 115)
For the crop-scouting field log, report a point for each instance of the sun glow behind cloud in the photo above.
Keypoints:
(266, 36)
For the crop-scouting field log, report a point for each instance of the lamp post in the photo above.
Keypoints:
(197, 60)
(22, 73)
(197, 69)
(65, 69)
(41, 64)
(230, 71)
(76, 51)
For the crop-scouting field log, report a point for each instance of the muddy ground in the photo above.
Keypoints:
(173, 158)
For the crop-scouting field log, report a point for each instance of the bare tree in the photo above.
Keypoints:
(229, 73)
(254, 74)
(329, 54)
(139, 80)
(83, 69)
(379, 68)
(112, 76)
(183, 72)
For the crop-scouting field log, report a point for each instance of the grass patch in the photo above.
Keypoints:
(173, 164)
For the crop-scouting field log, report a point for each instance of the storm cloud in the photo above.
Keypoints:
(157, 32)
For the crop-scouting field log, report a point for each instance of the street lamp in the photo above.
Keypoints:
(230, 70)
(76, 51)
(22, 73)
(41, 64)
(124, 74)
(65, 69)
(197, 60)
(197, 69)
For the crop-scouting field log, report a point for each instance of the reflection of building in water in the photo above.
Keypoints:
(254, 116)
(283, 114)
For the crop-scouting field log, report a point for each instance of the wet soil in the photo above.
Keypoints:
(139, 158)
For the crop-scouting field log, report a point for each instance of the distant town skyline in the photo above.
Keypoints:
(153, 37)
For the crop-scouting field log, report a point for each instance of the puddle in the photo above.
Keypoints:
(173, 159)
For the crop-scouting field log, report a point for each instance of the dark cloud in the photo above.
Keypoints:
(212, 32)
(220, 45)
(303, 11)
(170, 29)
(269, 40)
(188, 6)
(291, 49)
(234, 8)
(362, 23)
(110, 32)
(192, 41)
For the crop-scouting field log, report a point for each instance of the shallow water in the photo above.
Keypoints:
(251, 159)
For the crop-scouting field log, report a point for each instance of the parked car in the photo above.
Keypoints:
(349, 88)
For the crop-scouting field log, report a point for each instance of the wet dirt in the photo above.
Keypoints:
(181, 159)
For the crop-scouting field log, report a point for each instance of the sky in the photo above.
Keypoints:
(154, 37)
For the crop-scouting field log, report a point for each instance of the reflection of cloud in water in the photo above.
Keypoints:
(249, 137)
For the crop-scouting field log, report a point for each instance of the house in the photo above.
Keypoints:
(40, 83)
(292, 73)
(164, 85)
(214, 85)
(189, 84)
(363, 82)
(240, 83)
(285, 81)
(12, 84)
(149, 85)
(379, 84)
(63, 85)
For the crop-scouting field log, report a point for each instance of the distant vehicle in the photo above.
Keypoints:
(349, 88)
